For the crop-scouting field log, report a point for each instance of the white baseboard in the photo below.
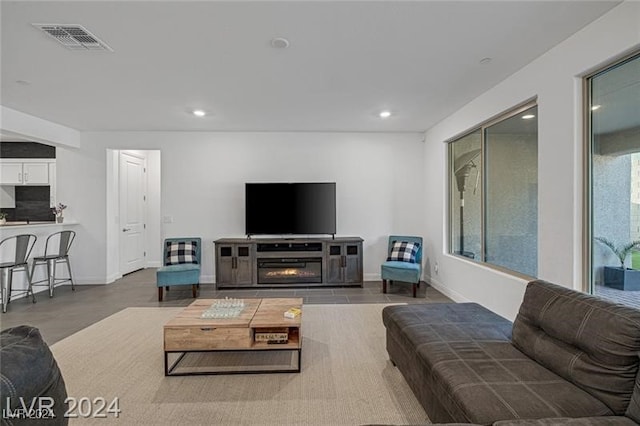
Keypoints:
(207, 279)
(456, 297)
(372, 277)
(92, 281)
(111, 278)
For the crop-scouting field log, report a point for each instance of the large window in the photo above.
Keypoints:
(493, 192)
(614, 177)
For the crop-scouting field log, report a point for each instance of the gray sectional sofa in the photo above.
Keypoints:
(32, 389)
(568, 358)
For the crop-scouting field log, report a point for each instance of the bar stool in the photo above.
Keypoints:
(64, 239)
(22, 246)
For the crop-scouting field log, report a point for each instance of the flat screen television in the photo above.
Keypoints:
(290, 208)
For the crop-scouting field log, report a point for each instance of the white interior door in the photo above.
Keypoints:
(132, 213)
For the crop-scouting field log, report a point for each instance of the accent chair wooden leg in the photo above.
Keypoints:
(167, 287)
(384, 286)
(193, 290)
(414, 289)
(159, 294)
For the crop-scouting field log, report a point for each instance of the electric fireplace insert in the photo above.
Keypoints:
(289, 271)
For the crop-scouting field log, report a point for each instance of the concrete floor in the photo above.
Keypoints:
(629, 298)
(71, 311)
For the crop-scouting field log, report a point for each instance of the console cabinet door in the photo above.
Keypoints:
(244, 265)
(234, 265)
(344, 263)
(224, 264)
(335, 271)
(352, 263)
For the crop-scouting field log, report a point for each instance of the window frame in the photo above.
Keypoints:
(449, 243)
(587, 172)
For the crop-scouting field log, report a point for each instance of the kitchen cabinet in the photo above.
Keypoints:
(14, 172)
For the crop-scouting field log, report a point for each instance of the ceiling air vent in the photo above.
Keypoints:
(74, 37)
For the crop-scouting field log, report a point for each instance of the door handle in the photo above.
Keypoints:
(26, 177)
(126, 229)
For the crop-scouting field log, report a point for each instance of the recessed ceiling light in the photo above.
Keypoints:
(199, 113)
(279, 43)
(595, 107)
(528, 116)
(485, 61)
(385, 114)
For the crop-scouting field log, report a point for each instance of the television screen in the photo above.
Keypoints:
(290, 208)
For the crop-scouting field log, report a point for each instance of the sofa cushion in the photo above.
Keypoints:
(588, 341)
(487, 381)
(633, 411)
(412, 324)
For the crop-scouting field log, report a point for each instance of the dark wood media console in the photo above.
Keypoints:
(288, 262)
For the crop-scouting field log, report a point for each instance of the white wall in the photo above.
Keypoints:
(378, 176)
(556, 79)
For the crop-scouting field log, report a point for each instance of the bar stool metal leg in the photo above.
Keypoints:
(7, 275)
(73, 286)
(51, 269)
(30, 281)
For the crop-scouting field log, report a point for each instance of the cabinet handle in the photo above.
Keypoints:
(234, 262)
(26, 177)
(20, 177)
(343, 261)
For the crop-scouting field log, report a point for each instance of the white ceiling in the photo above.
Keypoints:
(347, 61)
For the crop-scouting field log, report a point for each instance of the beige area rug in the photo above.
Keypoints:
(346, 376)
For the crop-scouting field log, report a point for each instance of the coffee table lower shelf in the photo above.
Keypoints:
(170, 368)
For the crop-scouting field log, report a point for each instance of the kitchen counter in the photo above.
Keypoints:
(41, 230)
(33, 224)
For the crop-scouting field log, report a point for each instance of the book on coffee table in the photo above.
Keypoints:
(292, 312)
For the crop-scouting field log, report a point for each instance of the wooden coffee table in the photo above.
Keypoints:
(188, 332)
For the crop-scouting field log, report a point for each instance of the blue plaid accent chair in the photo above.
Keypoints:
(404, 261)
(181, 259)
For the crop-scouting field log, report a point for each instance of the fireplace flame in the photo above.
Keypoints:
(290, 272)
